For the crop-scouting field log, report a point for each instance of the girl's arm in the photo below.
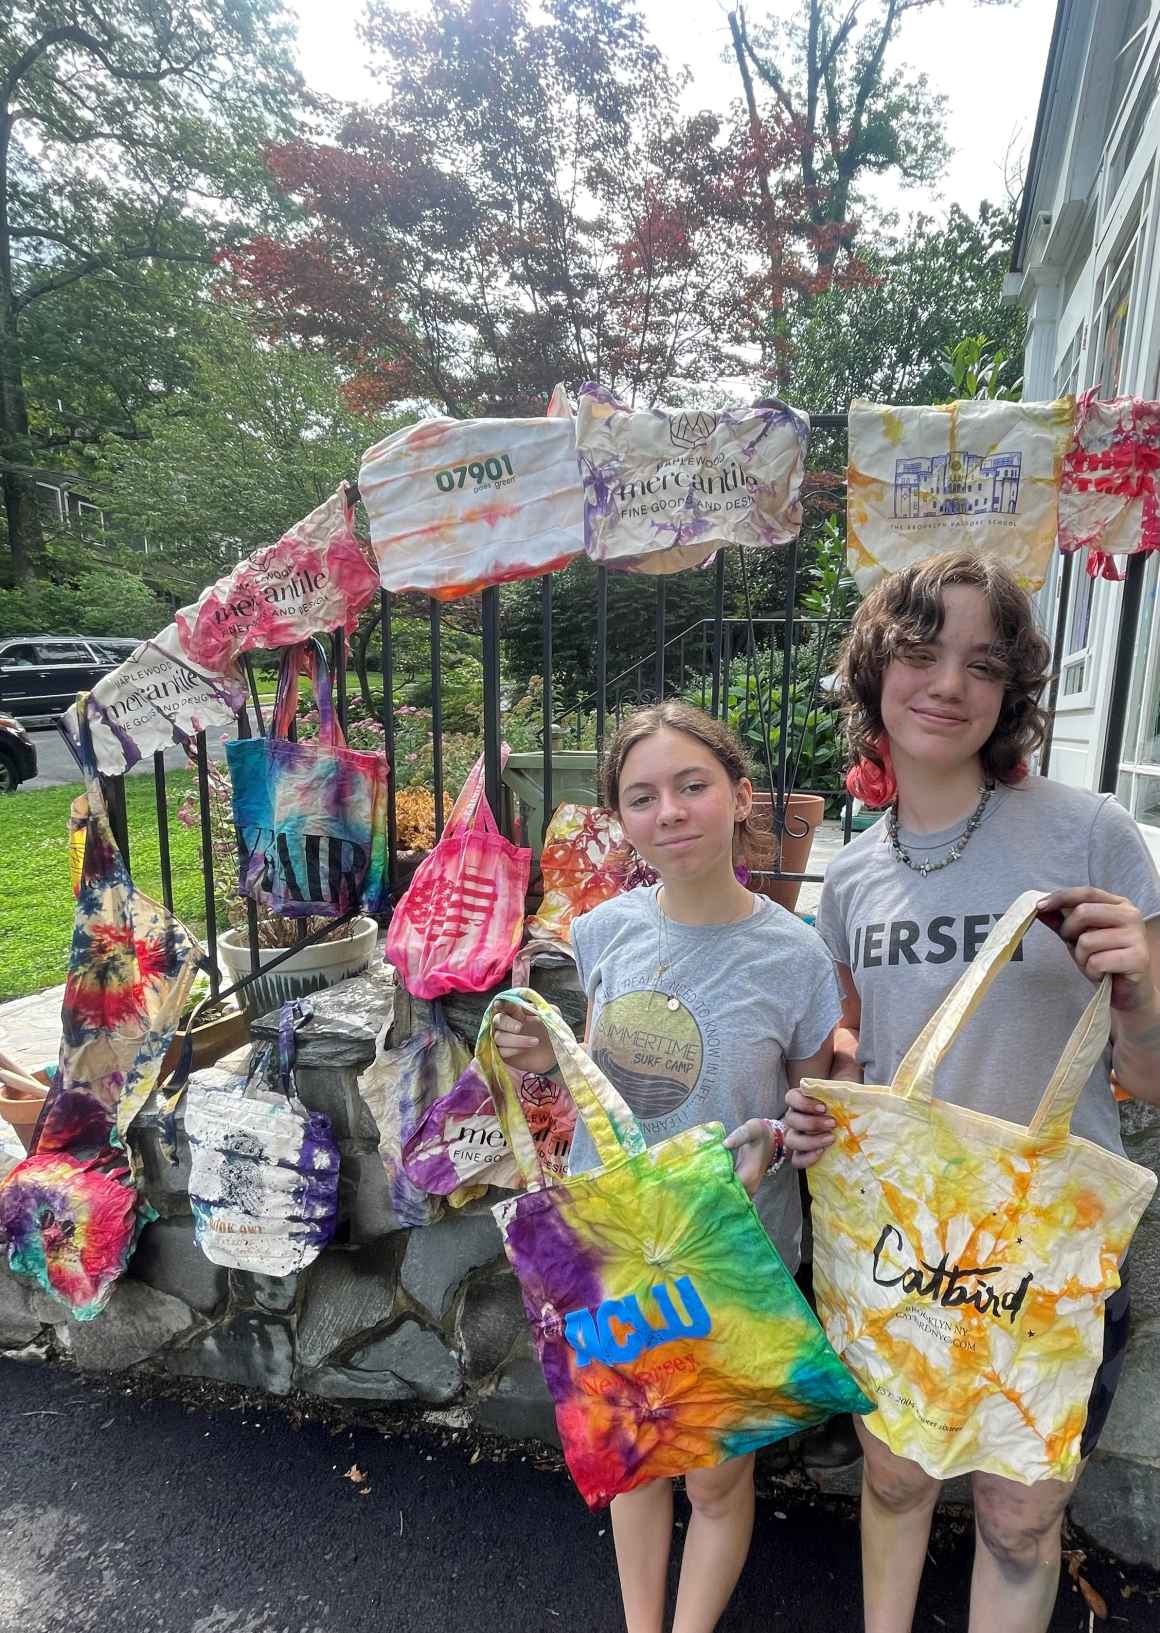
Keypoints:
(846, 1064)
(809, 1130)
(1107, 935)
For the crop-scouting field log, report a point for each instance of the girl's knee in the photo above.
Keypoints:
(715, 1493)
(895, 1483)
(1019, 1526)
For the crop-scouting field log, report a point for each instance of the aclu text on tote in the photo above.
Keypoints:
(962, 1262)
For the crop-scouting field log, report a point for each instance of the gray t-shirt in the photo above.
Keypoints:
(753, 994)
(907, 940)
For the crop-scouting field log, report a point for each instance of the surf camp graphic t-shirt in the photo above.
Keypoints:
(753, 994)
(907, 940)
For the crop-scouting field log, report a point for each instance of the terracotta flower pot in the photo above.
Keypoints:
(803, 814)
(21, 1108)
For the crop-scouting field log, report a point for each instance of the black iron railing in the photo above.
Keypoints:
(701, 657)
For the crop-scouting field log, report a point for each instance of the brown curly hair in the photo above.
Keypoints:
(683, 717)
(906, 610)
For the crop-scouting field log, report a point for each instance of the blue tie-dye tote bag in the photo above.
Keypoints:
(311, 816)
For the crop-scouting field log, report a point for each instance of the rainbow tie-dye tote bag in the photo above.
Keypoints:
(70, 1213)
(311, 817)
(961, 1262)
(671, 1335)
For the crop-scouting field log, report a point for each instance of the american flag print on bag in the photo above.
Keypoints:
(459, 925)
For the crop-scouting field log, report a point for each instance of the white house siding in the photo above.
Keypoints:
(1088, 274)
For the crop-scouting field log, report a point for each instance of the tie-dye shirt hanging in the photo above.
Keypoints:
(1108, 496)
(70, 1213)
(665, 489)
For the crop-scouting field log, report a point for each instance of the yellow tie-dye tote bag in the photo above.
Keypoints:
(961, 1262)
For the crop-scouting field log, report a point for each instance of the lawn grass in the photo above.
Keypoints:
(36, 900)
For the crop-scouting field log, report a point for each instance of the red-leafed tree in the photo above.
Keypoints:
(527, 204)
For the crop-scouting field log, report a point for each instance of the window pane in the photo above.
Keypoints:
(1124, 789)
(1073, 678)
(1146, 801)
(64, 652)
(1082, 585)
(1140, 723)
(1117, 309)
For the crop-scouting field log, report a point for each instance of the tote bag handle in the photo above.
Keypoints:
(605, 1114)
(306, 658)
(914, 1079)
(466, 807)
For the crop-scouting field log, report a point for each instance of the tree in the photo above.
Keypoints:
(129, 133)
(889, 339)
(823, 112)
(259, 435)
(527, 205)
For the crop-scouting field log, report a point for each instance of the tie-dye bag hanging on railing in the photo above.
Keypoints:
(671, 1335)
(459, 925)
(962, 1262)
(311, 816)
(70, 1213)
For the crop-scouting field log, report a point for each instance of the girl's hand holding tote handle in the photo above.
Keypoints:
(1107, 935)
(753, 1144)
(522, 1039)
(809, 1130)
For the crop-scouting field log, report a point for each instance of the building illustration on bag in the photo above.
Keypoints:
(957, 484)
(688, 430)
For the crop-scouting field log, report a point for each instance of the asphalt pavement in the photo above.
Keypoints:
(201, 1509)
(56, 766)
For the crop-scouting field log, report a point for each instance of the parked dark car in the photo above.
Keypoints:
(40, 675)
(17, 755)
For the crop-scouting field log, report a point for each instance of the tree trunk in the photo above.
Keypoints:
(24, 531)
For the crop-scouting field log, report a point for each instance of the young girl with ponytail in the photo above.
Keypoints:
(705, 1002)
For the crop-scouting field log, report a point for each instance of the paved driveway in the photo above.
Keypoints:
(212, 1514)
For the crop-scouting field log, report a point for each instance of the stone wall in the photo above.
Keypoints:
(434, 1315)
(382, 1316)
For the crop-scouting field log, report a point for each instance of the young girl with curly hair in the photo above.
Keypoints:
(941, 675)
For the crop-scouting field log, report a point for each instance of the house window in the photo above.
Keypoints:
(1067, 371)
(1139, 784)
(1077, 633)
(1132, 37)
(1115, 318)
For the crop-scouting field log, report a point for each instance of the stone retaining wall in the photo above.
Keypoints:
(434, 1315)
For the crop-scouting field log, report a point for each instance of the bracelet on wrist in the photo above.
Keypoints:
(776, 1131)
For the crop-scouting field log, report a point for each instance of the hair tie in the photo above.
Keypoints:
(874, 785)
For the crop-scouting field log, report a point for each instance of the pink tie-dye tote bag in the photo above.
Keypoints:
(459, 925)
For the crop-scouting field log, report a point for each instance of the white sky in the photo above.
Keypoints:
(988, 62)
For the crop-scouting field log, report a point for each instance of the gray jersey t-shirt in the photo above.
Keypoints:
(907, 940)
(753, 995)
